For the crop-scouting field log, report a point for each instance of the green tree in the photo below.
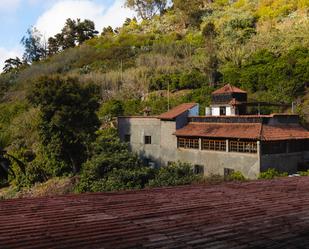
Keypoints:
(34, 46)
(85, 30)
(12, 65)
(54, 45)
(107, 31)
(112, 166)
(68, 118)
(146, 9)
(193, 10)
(110, 109)
(74, 32)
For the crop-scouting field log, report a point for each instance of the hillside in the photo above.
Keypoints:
(192, 48)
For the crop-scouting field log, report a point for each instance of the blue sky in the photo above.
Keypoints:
(16, 16)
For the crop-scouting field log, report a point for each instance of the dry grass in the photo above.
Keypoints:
(53, 187)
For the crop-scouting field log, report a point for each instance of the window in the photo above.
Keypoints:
(228, 172)
(127, 138)
(219, 145)
(222, 111)
(244, 147)
(188, 143)
(198, 169)
(147, 139)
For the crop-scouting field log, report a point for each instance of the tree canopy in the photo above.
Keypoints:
(68, 118)
(146, 9)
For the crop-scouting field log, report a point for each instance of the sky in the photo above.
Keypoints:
(49, 16)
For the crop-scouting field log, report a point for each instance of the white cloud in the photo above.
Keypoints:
(9, 5)
(6, 54)
(52, 21)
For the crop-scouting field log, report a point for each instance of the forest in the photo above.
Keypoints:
(58, 102)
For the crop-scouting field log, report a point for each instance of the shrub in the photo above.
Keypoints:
(304, 173)
(176, 174)
(107, 168)
(236, 176)
(111, 108)
(272, 173)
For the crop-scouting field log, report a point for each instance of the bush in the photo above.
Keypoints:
(110, 109)
(236, 176)
(304, 173)
(107, 168)
(176, 174)
(272, 173)
(123, 179)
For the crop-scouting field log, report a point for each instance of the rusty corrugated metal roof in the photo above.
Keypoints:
(228, 89)
(257, 214)
(257, 131)
(176, 111)
(284, 132)
(221, 130)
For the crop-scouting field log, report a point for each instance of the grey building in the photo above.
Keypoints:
(223, 141)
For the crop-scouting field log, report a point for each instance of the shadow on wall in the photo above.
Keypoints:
(149, 160)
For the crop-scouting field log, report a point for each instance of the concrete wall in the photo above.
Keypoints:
(214, 162)
(138, 128)
(286, 162)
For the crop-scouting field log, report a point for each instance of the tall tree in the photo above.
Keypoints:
(74, 32)
(34, 46)
(146, 9)
(68, 119)
(192, 9)
(68, 34)
(85, 30)
(12, 65)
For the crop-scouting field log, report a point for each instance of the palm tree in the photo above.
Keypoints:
(6, 165)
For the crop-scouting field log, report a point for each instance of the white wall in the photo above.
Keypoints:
(215, 111)
(228, 111)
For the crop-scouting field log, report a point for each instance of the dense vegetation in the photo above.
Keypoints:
(187, 48)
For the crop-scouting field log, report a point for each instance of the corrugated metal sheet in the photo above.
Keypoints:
(176, 111)
(258, 214)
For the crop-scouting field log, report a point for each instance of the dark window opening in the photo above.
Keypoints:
(274, 147)
(147, 139)
(228, 172)
(127, 138)
(222, 111)
(198, 169)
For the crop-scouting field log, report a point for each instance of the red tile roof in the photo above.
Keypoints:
(221, 130)
(284, 132)
(229, 89)
(256, 214)
(256, 131)
(176, 111)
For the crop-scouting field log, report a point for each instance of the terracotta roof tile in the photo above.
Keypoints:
(284, 132)
(244, 131)
(221, 130)
(229, 89)
(176, 111)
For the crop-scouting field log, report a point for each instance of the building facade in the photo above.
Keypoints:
(220, 142)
